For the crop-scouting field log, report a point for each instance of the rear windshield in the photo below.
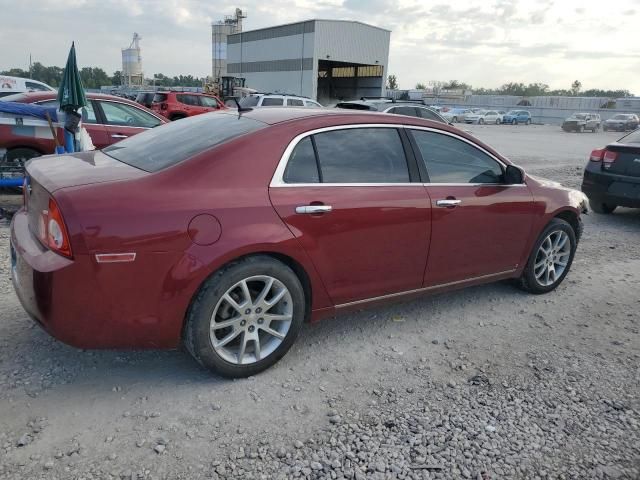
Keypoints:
(170, 144)
(633, 137)
(159, 98)
(354, 106)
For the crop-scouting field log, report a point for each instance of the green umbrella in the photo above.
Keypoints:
(71, 92)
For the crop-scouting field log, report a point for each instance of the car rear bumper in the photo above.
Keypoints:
(90, 305)
(610, 188)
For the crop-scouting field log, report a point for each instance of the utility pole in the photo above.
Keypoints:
(30, 68)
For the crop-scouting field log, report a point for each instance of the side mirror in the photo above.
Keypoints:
(513, 175)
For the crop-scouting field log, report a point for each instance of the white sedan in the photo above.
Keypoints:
(484, 116)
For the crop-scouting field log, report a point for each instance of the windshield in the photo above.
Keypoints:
(175, 142)
(620, 117)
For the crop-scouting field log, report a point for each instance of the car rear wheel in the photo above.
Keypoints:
(454, 119)
(601, 207)
(528, 121)
(481, 121)
(497, 121)
(245, 317)
(550, 258)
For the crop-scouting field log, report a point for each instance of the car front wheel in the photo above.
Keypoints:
(245, 317)
(550, 258)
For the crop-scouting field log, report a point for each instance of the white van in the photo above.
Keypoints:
(11, 85)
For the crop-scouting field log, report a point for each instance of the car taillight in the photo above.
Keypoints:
(52, 230)
(608, 158)
(596, 155)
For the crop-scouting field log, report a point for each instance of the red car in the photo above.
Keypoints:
(177, 105)
(227, 231)
(108, 119)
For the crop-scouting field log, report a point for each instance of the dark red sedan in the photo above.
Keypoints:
(227, 231)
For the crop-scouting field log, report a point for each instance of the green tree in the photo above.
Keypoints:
(575, 87)
(420, 86)
(392, 82)
(94, 77)
(117, 78)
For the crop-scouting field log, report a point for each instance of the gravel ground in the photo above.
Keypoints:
(483, 383)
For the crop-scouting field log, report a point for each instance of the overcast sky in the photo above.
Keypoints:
(484, 43)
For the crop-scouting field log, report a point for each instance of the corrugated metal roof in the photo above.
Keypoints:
(306, 21)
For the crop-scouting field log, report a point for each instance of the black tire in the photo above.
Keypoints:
(599, 206)
(514, 122)
(528, 281)
(497, 121)
(454, 119)
(528, 121)
(481, 121)
(197, 338)
(22, 154)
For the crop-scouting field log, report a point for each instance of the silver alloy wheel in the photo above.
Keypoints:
(552, 258)
(251, 320)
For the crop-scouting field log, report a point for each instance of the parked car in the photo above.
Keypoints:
(277, 100)
(515, 117)
(456, 115)
(108, 119)
(178, 105)
(612, 175)
(12, 85)
(145, 98)
(411, 109)
(484, 116)
(166, 239)
(579, 122)
(621, 122)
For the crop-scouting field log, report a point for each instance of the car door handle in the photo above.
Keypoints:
(448, 202)
(118, 135)
(311, 209)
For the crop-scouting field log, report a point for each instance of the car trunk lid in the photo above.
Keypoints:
(627, 160)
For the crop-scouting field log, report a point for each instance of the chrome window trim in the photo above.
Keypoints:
(277, 179)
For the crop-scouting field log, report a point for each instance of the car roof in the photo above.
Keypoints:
(31, 97)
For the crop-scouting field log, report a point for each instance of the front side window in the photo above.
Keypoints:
(362, 155)
(295, 102)
(272, 102)
(311, 104)
(429, 114)
(452, 160)
(209, 102)
(408, 111)
(127, 115)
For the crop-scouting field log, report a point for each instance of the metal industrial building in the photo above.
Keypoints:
(326, 60)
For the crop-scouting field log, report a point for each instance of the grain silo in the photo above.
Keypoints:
(132, 63)
(219, 31)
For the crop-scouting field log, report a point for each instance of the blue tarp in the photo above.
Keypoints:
(29, 110)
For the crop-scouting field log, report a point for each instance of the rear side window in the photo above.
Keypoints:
(362, 155)
(208, 102)
(175, 142)
(451, 160)
(188, 99)
(250, 101)
(294, 102)
(409, 111)
(302, 166)
(272, 102)
(159, 98)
